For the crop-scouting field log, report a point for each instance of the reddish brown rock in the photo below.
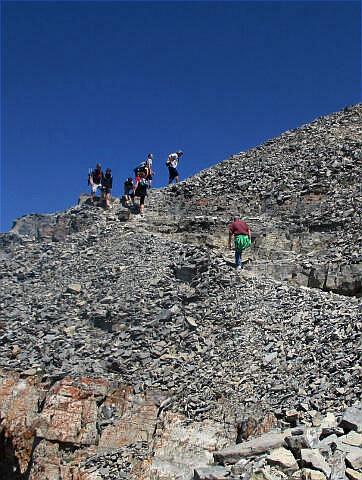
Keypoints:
(51, 463)
(70, 411)
(137, 423)
(251, 426)
(19, 400)
(65, 432)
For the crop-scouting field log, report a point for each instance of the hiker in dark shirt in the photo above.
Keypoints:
(141, 187)
(128, 191)
(242, 238)
(107, 183)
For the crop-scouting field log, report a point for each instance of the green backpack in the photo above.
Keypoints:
(242, 242)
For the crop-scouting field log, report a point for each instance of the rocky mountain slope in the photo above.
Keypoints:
(130, 346)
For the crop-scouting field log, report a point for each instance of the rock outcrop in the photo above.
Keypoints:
(131, 348)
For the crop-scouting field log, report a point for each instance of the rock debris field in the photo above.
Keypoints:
(165, 355)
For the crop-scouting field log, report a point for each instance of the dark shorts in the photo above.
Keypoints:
(106, 190)
(173, 173)
(142, 199)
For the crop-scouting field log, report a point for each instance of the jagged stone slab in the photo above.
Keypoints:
(313, 458)
(284, 459)
(308, 474)
(211, 473)
(353, 474)
(352, 418)
(74, 288)
(354, 457)
(352, 438)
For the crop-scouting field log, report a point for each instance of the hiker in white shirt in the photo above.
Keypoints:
(172, 162)
(150, 172)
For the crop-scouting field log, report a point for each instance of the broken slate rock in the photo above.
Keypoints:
(211, 473)
(354, 457)
(284, 459)
(74, 288)
(353, 474)
(314, 459)
(308, 474)
(352, 418)
(191, 322)
(353, 438)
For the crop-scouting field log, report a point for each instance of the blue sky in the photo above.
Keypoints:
(86, 82)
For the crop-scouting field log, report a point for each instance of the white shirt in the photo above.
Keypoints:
(173, 159)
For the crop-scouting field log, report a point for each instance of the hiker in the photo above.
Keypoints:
(107, 183)
(142, 167)
(172, 162)
(150, 172)
(95, 180)
(140, 190)
(242, 238)
(128, 191)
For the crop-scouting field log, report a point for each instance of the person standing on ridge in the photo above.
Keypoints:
(242, 238)
(95, 180)
(128, 191)
(172, 162)
(150, 172)
(107, 183)
(140, 190)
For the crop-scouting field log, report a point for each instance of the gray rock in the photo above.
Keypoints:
(353, 474)
(352, 438)
(312, 458)
(284, 459)
(211, 473)
(74, 288)
(352, 418)
(308, 474)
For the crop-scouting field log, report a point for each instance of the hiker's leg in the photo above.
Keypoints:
(173, 174)
(237, 258)
(142, 204)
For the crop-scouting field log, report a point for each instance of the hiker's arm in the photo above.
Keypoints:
(249, 233)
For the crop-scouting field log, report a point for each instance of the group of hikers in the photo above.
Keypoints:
(136, 188)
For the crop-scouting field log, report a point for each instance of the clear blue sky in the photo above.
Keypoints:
(86, 82)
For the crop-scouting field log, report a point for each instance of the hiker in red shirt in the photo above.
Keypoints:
(242, 238)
